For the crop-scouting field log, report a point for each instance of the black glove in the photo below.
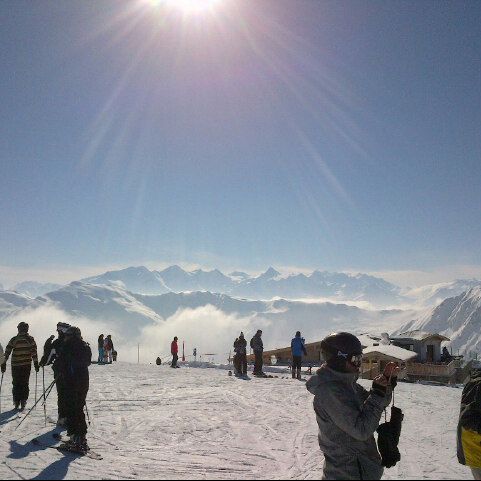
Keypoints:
(37, 367)
(379, 389)
(3, 367)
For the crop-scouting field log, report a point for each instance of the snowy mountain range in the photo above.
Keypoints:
(269, 285)
(130, 312)
(458, 318)
(136, 297)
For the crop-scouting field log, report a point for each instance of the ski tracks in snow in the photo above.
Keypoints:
(151, 422)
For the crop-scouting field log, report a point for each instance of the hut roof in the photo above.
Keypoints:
(391, 351)
(419, 336)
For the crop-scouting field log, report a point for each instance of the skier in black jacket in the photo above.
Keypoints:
(52, 352)
(73, 363)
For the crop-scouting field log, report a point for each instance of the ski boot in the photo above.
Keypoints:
(17, 405)
(62, 422)
(23, 405)
(80, 444)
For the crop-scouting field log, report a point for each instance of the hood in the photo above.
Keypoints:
(326, 375)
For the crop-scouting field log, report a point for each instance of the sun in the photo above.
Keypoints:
(189, 7)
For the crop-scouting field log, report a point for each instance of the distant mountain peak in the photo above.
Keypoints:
(271, 273)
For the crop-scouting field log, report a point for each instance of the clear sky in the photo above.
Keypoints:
(340, 135)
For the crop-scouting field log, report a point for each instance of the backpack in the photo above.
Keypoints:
(471, 403)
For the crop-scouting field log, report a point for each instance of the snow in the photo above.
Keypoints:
(190, 423)
(391, 351)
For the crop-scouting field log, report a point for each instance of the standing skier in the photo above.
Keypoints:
(258, 347)
(73, 363)
(174, 350)
(298, 349)
(23, 350)
(469, 428)
(51, 353)
(240, 348)
(347, 414)
(108, 348)
(100, 346)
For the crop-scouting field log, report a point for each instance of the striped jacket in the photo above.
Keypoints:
(23, 349)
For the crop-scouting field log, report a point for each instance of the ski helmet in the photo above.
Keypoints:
(23, 327)
(341, 348)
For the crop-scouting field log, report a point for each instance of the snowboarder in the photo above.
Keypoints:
(469, 428)
(23, 349)
(240, 358)
(101, 349)
(52, 351)
(174, 350)
(258, 347)
(298, 349)
(347, 414)
(73, 363)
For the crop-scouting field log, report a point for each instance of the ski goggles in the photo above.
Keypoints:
(356, 360)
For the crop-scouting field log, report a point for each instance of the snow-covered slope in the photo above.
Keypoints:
(458, 318)
(13, 302)
(34, 289)
(432, 295)
(159, 423)
(270, 284)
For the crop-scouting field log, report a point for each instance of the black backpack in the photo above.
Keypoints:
(471, 403)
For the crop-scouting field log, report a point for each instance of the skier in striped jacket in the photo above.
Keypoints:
(23, 350)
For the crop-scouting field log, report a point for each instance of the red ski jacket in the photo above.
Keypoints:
(174, 348)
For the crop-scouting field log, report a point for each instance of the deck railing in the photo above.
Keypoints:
(428, 370)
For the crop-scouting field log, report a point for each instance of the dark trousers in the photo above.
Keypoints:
(20, 380)
(296, 366)
(76, 424)
(175, 358)
(63, 397)
(240, 364)
(243, 364)
(259, 362)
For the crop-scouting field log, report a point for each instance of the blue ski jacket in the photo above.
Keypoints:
(297, 347)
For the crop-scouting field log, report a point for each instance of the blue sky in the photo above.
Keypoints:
(308, 134)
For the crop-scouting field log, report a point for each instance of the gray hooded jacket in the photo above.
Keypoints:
(348, 417)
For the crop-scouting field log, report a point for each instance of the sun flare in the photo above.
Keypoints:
(189, 7)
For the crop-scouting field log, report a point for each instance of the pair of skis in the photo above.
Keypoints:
(66, 447)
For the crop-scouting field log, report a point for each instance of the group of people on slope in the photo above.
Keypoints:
(107, 353)
(70, 358)
(240, 354)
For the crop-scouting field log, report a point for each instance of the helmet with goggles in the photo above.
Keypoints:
(341, 348)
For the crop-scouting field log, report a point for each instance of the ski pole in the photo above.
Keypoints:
(34, 406)
(36, 383)
(1, 383)
(49, 391)
(87, 411)
(44, 404)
